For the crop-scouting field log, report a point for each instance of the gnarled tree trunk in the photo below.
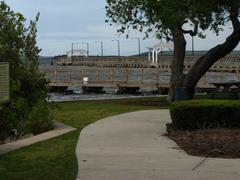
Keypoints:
(187, 83)
(205, 62)
(177, 75)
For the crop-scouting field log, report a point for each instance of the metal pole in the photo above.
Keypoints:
(149, 55)
(153, 58)
(87, 47)
(72, 52)
(118, 41)
(192, 46)
(118, 47)
(101, 43)
(102, 48)
(139, 46)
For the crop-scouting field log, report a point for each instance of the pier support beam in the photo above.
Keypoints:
(57, 88)
(90, 89)
(163, 91)
(128, 90)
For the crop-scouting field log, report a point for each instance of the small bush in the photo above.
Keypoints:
(8, 119)
(205, 114)
(40, 118)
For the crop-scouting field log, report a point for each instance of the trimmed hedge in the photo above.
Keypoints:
(205, 114)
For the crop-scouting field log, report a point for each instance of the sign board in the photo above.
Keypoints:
(4, 82)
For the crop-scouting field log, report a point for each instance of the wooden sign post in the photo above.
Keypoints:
(4, 82)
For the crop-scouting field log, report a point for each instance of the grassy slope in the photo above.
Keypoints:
(55, 158)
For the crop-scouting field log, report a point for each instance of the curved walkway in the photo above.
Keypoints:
(58, 130)
(132, 147)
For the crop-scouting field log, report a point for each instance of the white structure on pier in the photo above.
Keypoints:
(155, 50)
(77, 52)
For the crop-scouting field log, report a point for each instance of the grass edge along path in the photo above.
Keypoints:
(55, 158)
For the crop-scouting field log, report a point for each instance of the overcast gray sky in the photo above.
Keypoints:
(63, 22)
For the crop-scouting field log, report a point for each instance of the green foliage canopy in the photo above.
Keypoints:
(172, 20)
(162, 16)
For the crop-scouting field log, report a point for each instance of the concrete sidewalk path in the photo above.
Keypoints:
(58, 130)
(132, 147)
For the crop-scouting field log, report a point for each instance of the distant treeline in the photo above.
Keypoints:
(44, 60)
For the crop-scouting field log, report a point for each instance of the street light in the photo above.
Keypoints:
(118, 41)
(101, 46)
(87, 47)
(72, 50)
(139, 45)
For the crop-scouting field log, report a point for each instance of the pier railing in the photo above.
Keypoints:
(106, 76)
(124, 77)
(228, 63)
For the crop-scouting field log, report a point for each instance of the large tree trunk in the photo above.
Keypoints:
(205, 62)
(177, 75)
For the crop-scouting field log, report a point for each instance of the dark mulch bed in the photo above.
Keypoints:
(148, 103)
(222, 143)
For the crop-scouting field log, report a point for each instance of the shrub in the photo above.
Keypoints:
(27, 111)
(201, 114)
(8, 120)
(40, 118)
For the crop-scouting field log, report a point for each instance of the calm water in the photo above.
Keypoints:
(59, 97)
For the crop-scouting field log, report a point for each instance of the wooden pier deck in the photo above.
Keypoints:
(228, 62)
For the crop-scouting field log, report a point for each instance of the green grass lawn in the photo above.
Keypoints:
(55, 159)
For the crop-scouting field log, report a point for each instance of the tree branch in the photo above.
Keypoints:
(234, 13)
(205, 62)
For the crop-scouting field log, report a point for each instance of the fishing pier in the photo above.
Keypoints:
(93, 76)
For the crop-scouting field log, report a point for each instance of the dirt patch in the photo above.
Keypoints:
(222, 143)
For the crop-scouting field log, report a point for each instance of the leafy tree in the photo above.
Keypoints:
(173, 20)
(27, 110)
